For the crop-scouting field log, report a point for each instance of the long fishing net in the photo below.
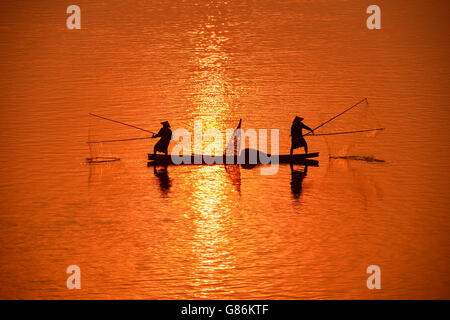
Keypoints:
(99, 155)
(233, 147)
(353, 134)
(109, 141)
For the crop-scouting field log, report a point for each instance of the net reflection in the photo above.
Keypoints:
(234, 175)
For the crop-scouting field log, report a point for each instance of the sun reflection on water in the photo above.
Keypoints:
(212, 201)
(212, 93)
(213, 196)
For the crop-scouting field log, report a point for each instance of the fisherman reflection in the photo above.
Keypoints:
(164, 181)
(297, 177)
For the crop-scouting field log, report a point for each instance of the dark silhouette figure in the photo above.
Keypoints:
(166, 135)
(297, 140)
(297, 177)
(164, 181)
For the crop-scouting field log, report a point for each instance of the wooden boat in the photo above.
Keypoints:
(209, 160)
(160, 159)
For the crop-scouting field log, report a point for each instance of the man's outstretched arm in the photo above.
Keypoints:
(157, 135)
(307, 128)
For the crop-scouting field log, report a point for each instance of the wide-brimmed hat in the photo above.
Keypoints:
(165, 123)
(298, 119)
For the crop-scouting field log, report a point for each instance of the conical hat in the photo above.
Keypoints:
(298, 119)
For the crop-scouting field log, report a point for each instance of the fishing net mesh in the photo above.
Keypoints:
(233, 147)
(353, 133)
(102, 144)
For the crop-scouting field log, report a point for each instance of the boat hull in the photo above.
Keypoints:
(212, 160)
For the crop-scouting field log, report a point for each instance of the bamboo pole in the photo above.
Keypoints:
(123, 123)
(347, 132)
(331, 119)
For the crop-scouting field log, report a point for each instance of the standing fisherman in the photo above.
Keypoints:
(166, 135)
(297, 135)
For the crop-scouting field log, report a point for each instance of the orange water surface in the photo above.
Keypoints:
(211, 232)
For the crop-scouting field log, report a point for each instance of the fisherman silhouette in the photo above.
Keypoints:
(297, 140)
(166, 135)
(297, 177)
(164, 180)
